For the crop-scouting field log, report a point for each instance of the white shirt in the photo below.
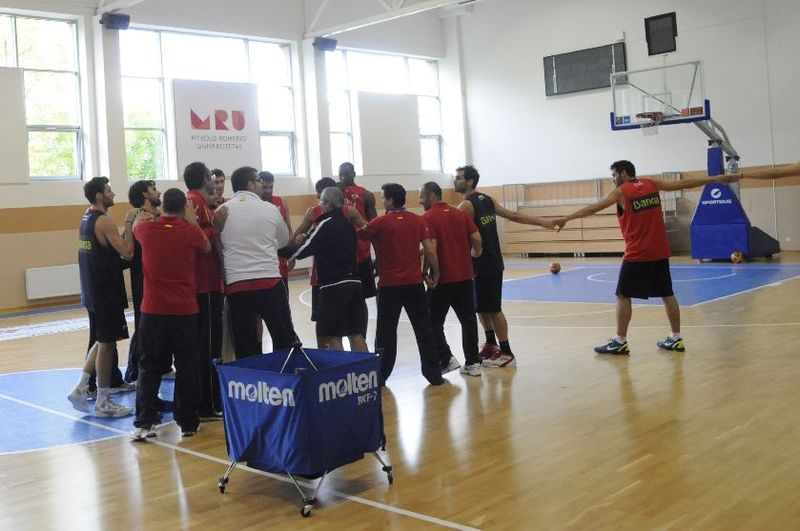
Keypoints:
(254, 231)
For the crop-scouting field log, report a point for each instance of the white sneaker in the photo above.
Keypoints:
(78, 399)
(502, 360)
(107, 408)
(124, 388)
(142, 434)
(472, 369)
(452, 365)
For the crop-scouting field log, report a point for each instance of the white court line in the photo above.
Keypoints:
(593, 279)
(226, 462)
(778, 283)
(741, 325)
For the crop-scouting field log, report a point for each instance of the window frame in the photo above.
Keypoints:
(79, 149)
(168, 127)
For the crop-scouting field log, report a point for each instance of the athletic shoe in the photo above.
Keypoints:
(452, 365)
(189, 432)
(125, 387)
(107, 408)
(142, 434)
(472, 369)
(613, 347)
(672, 344)
(503, 359)
(91, 394)
(78, 399)
(487, 351)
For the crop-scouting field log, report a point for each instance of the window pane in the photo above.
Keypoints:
(275, 109)
(141, 99)
(335, 70)
(430, 120)
(423, 77)
(207, 58)
(145, 154)
(269, 64)
(339, 111)
(53, 153)
(46, 44)
(431, 154)
(51, 99)
(276, 155)
(139, 53)
(6, 42)
(378, 73)
(340, 151)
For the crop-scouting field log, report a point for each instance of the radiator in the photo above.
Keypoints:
(56, 281)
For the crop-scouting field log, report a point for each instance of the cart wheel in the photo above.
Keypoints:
(222, 482)
(390, 477)
(306, 510)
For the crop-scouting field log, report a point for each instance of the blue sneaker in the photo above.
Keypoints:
(672, 344)
(613, 347)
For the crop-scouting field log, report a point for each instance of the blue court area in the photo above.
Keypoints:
(692, 284)
(35, 413)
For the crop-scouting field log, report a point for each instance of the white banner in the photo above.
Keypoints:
(216, 123)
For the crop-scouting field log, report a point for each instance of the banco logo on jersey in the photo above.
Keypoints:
(716, 194)
(352, 384)
(261, 393)
(646, 202)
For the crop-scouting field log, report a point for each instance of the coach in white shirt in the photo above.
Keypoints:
(250, 233)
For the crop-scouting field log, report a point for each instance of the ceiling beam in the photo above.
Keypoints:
(414, 9)
(116, 5)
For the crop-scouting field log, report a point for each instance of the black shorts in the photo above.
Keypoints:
(365, 273)
(340, 311)
(314, 302)
(642, 280)
(109, 326)
(488, 293)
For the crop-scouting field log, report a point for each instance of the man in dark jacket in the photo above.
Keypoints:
(333, 245)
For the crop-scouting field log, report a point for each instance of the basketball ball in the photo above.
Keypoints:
(555, 268)
(737, 257)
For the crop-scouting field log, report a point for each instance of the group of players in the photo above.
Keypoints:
(189, 253)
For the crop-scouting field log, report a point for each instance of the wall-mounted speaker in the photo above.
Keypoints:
(660, 32)
(115, 21)
(325, 44)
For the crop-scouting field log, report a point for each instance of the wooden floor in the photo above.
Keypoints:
(708, 439)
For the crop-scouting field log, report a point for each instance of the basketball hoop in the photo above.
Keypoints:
(649, 122)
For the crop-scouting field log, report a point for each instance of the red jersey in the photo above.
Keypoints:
(642, 222)
(207, 272)
(452, 230)
(283, 263)
(354, 197)
(316, 212)
(396, 236)
(170, 247)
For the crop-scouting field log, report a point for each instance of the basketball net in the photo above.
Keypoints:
(649, 121)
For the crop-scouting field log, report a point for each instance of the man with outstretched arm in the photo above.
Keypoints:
(645, 264)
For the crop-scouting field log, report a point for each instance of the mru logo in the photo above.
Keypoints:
(223, 120)
(261, 392)
(351, 384)
(716, 194)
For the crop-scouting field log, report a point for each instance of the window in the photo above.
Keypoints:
(152, 59)
(349, 72)
(47, 52)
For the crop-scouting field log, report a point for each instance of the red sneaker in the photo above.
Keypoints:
(489, 351)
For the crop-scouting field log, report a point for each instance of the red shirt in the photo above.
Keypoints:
(207, 273)
(642, 222)
(452, 230)
(396, 237)
(251, 285)
(170, 246)
(283, 263)
(354, 197)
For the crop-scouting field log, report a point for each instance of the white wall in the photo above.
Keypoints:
(747, 47)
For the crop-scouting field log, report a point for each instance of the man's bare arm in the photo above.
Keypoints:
(476, 242)
(792, 170)
(369, 205)
(107, 231)
(519, 217)
(684, 184)
(614, 197)
(305, 225)
(429, 247)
